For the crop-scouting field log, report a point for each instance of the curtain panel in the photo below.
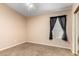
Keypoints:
(63, 21)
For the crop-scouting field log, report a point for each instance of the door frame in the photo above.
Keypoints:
(76, 30)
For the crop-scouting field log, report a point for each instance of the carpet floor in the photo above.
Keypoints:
(31, 49)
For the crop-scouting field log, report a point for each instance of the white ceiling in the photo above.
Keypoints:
(39, 8)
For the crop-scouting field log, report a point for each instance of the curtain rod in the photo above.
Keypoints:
(59, 16)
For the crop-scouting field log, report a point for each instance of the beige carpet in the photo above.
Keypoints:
(30, 49)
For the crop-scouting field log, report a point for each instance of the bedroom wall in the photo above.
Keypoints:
(38, 28)
(12, 28)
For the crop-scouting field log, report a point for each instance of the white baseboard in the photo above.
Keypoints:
(31, 42)
(50, 45)
(11, 46)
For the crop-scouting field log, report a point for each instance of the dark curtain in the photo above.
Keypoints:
(62, 20)
(52, 23)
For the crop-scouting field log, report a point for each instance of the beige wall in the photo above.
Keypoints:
(12, 28)
(38, 28)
